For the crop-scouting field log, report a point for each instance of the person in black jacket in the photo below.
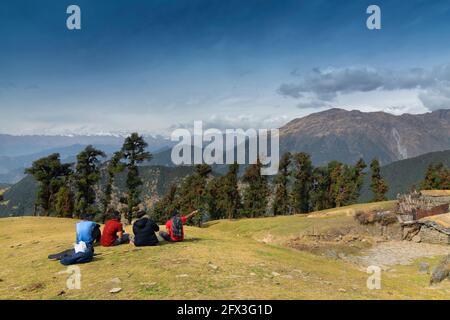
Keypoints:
(144, 231)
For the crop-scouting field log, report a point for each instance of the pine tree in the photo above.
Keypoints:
(429, 180)
(338, 186)
(302, 182)
(228, 197)
(320, 189)
(281, 204)
(87, 175)
(446, 179)
(358, 180)
(64, 202)
(214, 195)
(113, 167)
(256, 193)
(133, 152)
(164, 207)
(51, 175)
(378, 185)
(436, 177)
(193, 194)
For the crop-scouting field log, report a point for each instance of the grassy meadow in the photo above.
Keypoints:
(243, 259)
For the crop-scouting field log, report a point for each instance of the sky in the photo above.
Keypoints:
(155, 65)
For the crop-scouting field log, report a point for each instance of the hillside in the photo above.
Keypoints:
(245, 259)
(346, 136)
(19, 199)
(402, 175)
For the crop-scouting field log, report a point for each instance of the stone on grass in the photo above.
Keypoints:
(441, 271)
(115, 290)
(213, 266)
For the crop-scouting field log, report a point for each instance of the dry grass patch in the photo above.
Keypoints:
(244, 268)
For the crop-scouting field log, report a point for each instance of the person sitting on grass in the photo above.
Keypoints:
(144, 231)
(87, 235)
(87, 230)
(174, 227)
(113, 233)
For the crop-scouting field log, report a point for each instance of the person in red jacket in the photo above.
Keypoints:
(113, 233)
(174, 226)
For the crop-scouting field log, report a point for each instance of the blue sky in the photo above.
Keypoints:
(153, 66)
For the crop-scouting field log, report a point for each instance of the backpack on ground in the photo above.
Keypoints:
(177, 227)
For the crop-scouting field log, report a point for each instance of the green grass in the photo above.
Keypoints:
(246, 267)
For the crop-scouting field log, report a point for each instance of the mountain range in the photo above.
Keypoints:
(346, 136)
(13, 146)
(334, 134)
(18, 152)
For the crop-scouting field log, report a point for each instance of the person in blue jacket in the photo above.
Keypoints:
(86, 229)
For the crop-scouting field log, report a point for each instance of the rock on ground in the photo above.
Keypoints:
(115, 290)
(441, 271)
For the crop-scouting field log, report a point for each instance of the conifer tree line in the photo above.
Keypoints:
(72, 189)
(437, 176)
(299, 187)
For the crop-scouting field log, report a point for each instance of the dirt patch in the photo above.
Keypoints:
(366, 246)
(349, 239)
(332, 244)
(329, 249)
(391, 253)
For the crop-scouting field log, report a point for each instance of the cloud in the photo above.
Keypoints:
(436, 98)
(322, 86)
(291, 90)
(247, 121)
